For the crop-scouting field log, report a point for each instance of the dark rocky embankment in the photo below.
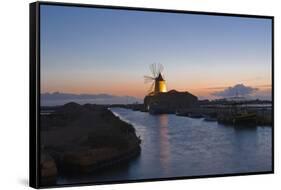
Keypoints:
(80, 139)
(169, 102)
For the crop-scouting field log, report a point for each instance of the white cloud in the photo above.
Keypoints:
(237, 90)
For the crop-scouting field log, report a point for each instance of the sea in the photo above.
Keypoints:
(175, 146)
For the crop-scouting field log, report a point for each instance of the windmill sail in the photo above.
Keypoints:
(158, 83)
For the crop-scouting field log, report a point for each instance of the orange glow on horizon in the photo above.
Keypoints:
(140, 90)
(136, 87)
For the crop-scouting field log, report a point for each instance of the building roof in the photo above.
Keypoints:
(159, 78)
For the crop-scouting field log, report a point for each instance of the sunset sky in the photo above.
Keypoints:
(87, 50)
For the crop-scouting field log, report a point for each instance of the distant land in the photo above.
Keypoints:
(60, 98)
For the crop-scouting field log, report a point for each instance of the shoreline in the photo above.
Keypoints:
(101, 166)
(82, 139)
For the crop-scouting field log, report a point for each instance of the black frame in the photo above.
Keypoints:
(34, 90)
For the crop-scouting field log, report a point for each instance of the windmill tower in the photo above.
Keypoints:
(158, 83)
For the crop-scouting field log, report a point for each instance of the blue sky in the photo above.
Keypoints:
(88, 50)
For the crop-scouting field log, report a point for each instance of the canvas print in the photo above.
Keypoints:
(132, 95)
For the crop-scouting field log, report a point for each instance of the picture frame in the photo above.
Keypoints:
(37, 102)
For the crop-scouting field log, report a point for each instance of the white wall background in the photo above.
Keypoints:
(14, 77)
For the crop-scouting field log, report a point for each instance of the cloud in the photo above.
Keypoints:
(238, 89)
(58, 98)
(265, 94)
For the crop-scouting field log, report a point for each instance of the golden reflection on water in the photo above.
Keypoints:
(164, 141)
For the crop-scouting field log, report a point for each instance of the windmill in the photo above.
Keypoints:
(158, 84)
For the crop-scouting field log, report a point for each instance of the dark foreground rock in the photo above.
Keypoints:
(49, 169)
(81, 139)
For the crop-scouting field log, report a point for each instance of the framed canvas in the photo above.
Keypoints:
(126, 94)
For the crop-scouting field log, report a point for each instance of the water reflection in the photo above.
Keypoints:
(164, 142)
(175, 146)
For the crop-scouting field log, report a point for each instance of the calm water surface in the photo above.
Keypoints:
(174, 146)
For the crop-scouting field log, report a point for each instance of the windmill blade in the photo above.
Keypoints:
(152, 69)
(160, 68)
(151, 88)
(155, 69)
(148, 79)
